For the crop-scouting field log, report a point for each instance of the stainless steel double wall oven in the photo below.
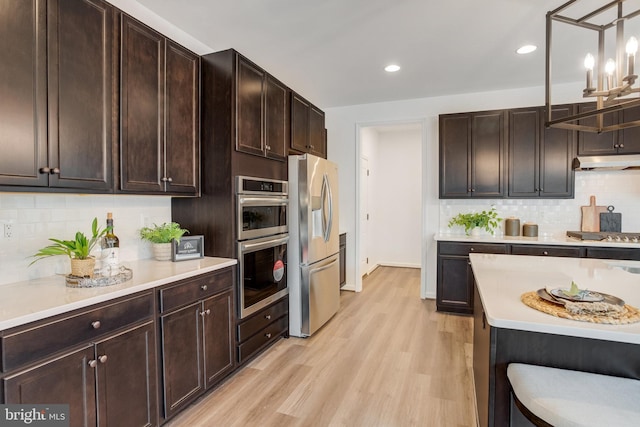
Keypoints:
(262, 237)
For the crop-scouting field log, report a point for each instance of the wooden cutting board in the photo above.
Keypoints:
(591, 215)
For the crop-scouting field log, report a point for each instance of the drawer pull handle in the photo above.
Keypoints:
(204, 287)
(93, 363)
(96, 324)
(103, 358)
(268, 335)
(267, 316)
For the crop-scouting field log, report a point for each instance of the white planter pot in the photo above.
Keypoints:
(162, 251)
(476, 231)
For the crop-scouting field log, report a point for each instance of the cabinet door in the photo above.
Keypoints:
(629, 138)
(127, 393)
(249, 117)
(488, 151)
(524, 152)
(276, 118)
(317, 140)
(218, 337)
(454, 287)
(81, 84)
(182, 116)
(182, 357)
(23, 97)
(557, 151)
(67, 379)
(455, 140)
(141, 108)
(591, 143)
(299, 123)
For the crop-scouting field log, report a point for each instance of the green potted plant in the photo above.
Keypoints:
(475, 221)
(78, 250)
(161, 238)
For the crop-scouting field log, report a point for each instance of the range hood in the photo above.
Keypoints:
(616, 162)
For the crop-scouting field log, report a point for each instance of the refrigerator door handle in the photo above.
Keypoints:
(325, 267)
(327, 199)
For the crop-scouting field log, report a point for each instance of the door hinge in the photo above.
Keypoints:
(367, 260)
(367, 172)
(367, 217)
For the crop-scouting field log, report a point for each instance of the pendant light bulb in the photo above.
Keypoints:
(632, 46)
(589, 62)
(610, 66)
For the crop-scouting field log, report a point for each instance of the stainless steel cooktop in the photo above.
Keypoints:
(607, 236)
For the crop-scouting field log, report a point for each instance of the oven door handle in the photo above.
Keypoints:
(261, 245)
(262, 201)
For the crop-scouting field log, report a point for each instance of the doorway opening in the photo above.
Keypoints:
(389, 197)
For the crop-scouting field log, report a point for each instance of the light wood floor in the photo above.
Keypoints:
(386, 359)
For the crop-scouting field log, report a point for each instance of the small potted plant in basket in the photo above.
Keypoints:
(161, 237)
(78, 250)
(475, 221)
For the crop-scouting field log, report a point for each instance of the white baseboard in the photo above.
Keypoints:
(348, 287)
(399, 264)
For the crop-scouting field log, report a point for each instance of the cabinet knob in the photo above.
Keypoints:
(208, 311)
(45, 170)
(103, 358)
(93, 363)
(96, 324)
(267, 316)
(545, 253)
(268, 147)
(55, 171)
(472, 250)
(268, 335)
(468, 190)
(169, 179)
(203, 287)
(621, 146)
(163, 179)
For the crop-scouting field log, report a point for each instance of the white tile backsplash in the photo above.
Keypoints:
(36, 217)
(555, 216)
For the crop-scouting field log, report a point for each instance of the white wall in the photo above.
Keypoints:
(343, 124)
(397, 199)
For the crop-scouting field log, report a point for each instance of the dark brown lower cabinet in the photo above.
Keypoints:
(108, 383)
(539, 250)
(263, 328)
(454, 292)
(197, 340)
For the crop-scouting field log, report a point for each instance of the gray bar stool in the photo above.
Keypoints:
(564, 398)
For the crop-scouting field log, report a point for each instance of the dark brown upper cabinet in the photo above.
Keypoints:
(307, 127)
(624, 141)
(472, 155)
(540, 158)
(262, 108)
(56, 88)
(160, 110)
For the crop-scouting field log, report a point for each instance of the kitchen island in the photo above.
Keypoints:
(507, 331)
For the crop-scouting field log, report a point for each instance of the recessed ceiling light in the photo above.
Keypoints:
(392, 68)
(528, 48)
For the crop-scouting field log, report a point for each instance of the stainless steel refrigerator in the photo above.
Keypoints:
(313, 262)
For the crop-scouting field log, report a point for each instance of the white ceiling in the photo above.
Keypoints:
(333, 51)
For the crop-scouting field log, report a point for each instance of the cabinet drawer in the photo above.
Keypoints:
(560, 251)
(453, 248)
(614, 253)
(23, 346)
(262, 319)
(196, 288)
(256, 342)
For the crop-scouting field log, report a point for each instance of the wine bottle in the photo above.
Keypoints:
(110, 249)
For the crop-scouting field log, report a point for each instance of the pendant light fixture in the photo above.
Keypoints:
(610, 82)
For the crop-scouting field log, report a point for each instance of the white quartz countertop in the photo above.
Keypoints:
(32, 300)
(541, 240)
(501, 279)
